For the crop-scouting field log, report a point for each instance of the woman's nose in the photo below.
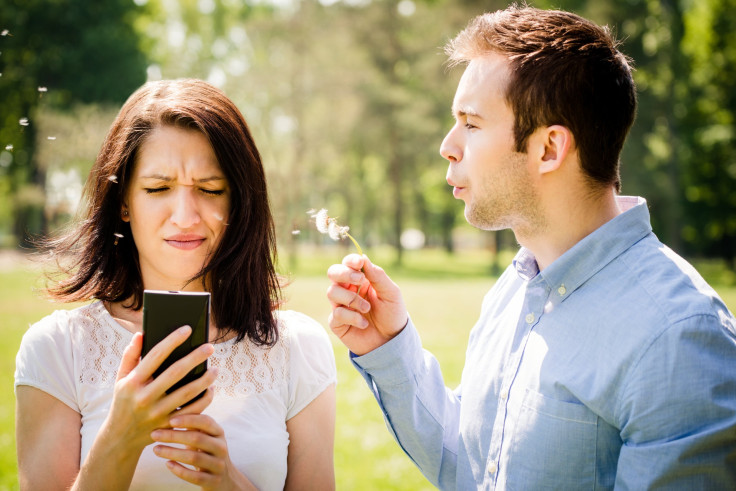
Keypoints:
(185, 212)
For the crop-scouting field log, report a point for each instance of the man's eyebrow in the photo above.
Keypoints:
(461, 111)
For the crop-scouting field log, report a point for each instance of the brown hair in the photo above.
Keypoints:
(240, 274)
(565, 70)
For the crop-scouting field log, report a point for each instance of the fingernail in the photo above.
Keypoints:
(155, 434)
(184, 329)
(356, 277)
(173, 422)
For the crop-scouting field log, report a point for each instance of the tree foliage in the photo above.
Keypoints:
(349, 100)
(56, 53)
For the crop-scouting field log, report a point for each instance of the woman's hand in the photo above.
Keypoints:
(206, 452)
(140, 402)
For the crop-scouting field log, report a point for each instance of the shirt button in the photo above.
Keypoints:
(529, 318)
(491, 467)
(562, 290)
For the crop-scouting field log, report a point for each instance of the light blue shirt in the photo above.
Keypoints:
(615, 367)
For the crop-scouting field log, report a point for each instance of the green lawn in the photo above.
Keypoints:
(443, 294)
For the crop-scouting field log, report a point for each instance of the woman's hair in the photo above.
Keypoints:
(96, 256)
(565, 70)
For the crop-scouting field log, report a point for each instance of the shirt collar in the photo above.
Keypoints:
(593, 252)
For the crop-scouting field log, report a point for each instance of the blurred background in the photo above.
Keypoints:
(348, 102)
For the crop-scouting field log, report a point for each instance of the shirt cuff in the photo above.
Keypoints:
(394, 363)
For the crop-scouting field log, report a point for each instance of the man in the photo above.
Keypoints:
(601, 359)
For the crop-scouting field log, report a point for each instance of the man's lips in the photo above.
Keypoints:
(456, 190)
(185, 241)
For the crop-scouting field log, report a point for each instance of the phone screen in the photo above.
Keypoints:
(166, 311)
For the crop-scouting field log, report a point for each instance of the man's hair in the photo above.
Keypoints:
(564, 70)
(99, 259)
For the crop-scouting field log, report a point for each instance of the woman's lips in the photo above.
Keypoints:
(185, 242)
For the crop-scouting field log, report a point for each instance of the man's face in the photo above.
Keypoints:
(485, 171)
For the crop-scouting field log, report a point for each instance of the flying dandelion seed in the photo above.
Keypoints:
(218, 216)
(43, 89)
(117, 238)
(296, 232)
(5, 32)
(9, 148)
(23, 121)
(113, 178)
(52, 138)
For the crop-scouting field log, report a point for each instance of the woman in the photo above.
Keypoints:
(176, 200)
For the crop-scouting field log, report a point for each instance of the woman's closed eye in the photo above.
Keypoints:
(156, 190)
(213, 192)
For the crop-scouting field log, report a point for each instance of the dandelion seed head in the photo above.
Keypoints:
(336, 232)
(23, 121)
(322, 220)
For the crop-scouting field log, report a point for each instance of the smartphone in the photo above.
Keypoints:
(166, 311)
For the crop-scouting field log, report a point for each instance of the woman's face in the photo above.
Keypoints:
(177, 203)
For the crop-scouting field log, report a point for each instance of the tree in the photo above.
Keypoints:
(57, 53)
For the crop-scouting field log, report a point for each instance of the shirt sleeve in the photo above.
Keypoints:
(312, 361)
(45, 359)
(420, 412)
(678, 412)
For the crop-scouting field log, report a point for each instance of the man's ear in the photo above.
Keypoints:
(555, 143)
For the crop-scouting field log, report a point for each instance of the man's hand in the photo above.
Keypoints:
(367, 307)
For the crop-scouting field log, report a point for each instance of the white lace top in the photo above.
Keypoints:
(74, 356)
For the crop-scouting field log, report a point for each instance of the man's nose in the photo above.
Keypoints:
(449, 148)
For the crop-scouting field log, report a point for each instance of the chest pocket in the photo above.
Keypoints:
(553, 445)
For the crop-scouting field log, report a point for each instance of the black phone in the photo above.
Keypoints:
(166, 311)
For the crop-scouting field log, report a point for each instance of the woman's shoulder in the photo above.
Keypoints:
(64, 321)
(297, 326)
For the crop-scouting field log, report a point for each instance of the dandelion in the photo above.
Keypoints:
(328, 225)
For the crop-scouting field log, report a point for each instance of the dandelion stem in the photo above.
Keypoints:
(355, 242)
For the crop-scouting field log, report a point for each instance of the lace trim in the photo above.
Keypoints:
(102, 349)
(243, 368)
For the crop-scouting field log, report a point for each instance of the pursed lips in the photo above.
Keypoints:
(185, 241)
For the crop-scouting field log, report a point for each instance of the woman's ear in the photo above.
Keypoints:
(124, 215)
(555, 142)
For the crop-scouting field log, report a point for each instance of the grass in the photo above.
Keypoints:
(443, 294)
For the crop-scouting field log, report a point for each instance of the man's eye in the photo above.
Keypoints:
(155, 190)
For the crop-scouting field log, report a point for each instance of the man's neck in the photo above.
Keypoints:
(567, 222)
